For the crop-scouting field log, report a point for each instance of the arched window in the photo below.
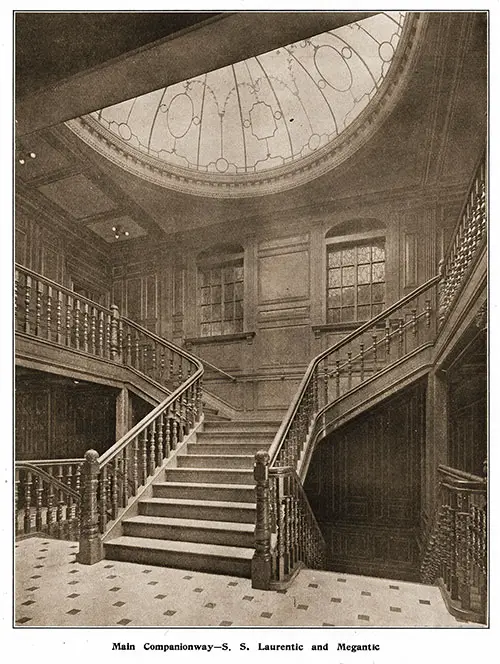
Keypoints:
(355, 264)
(220, 290)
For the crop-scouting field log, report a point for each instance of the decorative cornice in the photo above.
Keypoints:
(279, 179)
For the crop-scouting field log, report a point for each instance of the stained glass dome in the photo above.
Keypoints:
(257, 122)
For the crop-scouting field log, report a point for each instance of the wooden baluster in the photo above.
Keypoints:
(145, 364)
(428, 310)
(48, 313)
(414, 322)
(401, 337)
(93, 326)
(160, 452)
(120, 339)
(171, 366)
(152, 447)
(374, 348)
(261, 561)
(91, 516)
(51, 515)
(86, 327)
(39, 504)
(115, 489)
(27, 301)
(168, 433)
(315, 402)
(135, 465)
(137, 355)
(153, 361)
(162, 365)
(60, 501)
(77, 323)
(77, 475)
(125, 471)
(107, 336)
(38, 309)
(27, 502)
(349, 370)
(175, 421)
(144, 456)
(128, 349)
(103, 496)
(114, 347)
(388, 337)
(100, 335)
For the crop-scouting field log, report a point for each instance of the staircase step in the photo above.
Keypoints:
(240, 436)
(190, 530)
(225, 448)
(214, 461)
(212, 558)
(210, 475)
(240, 493)
(243, 426)
(214, 510)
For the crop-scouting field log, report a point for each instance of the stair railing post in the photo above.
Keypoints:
(115, 322)
(261, 561)
(91, 549)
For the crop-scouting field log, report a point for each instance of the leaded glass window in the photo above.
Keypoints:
(355, 281)
(221, 298)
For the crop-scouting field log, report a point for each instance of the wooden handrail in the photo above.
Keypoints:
(149, 418)
(479, 163)
(292, 409)
(60, 287)
(36, 470)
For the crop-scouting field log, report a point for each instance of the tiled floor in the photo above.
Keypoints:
(52, 589)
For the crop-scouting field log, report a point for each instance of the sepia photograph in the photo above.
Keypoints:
(251, 367)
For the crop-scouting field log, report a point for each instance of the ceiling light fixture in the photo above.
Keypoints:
(119, 232)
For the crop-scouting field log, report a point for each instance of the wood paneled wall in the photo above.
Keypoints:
(364, 485)
(56, 418)
(284, 287)
(61, 257)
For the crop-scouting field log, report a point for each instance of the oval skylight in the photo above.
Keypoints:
(256, 120)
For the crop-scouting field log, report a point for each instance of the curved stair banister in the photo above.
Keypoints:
(111, 480)
(456, 552)
(44, 503)
(284, 517)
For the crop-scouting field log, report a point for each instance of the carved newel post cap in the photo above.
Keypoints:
(262, 456)
(91, 456)
(114, 307)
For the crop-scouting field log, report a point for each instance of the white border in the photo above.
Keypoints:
(396, 645)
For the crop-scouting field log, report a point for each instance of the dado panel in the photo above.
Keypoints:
(284, 346)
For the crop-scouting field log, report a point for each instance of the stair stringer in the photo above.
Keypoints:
(114, 528)
(366, 395)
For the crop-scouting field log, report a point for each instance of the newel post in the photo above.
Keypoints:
(261, 561)
(115, 323)
(91, 550)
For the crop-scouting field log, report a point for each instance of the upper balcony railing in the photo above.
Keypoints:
(468, 238)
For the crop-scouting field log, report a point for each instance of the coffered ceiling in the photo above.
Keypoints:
(429, 143)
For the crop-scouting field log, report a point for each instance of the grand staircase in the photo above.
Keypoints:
(201, 514)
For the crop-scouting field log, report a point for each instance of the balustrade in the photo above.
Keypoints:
(404, 328)
(468, 238)
(47, 502)
(456, 554)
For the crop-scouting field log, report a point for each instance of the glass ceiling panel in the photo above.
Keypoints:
(267, 111)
